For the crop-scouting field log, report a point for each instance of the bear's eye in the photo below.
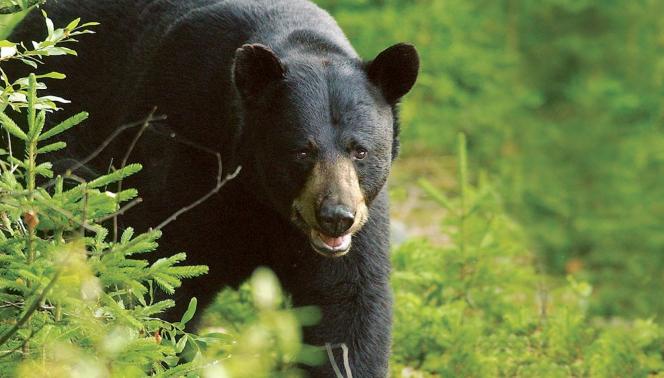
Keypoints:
(302, 154)
(359, 153)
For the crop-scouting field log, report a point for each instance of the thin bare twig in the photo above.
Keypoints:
(121, 211)
(215, 190)
(112, 137)
(123, 164)
(220, 181)
(11, 304)
(12, 167)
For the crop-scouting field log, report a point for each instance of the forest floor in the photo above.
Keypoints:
(413, 213)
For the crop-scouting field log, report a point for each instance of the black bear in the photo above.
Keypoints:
(275, 87)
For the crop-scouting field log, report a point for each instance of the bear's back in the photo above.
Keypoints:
(173, 55)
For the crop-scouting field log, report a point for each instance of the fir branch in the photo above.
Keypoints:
(33, 307)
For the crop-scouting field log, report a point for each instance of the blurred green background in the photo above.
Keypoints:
(561, 102)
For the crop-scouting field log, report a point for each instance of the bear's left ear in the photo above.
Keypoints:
(394, 71)
(255, 67)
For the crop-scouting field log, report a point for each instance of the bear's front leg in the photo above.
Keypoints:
(354, 296)
(360, 323)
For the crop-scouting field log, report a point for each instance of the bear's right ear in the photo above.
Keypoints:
(255, 67)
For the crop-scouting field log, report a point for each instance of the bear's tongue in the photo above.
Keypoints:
(332, 242)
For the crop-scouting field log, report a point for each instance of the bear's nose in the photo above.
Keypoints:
(335, 220)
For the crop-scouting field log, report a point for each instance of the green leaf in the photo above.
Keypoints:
(188, 271)
(164, 285)
(181, 344)
(119, 311)
(191, 310)
(49, 23)
(32, 97)
(72, 25)
(57, 51)
(115, 176)
(52, 75)
(64, 125)
(127, 235)
(29, 62)
(156, 308)
(54, 99)
(12, 127)
(168, 261)
(52, 147)
(126, 195)
(44, 169)
(39, 125)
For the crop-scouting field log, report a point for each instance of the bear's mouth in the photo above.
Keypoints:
(328, 246)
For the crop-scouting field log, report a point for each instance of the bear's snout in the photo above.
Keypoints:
(331, 207)
(335, 219)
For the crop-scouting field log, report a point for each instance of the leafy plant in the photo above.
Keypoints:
(70, 297)
(266, 331)
(477, 307)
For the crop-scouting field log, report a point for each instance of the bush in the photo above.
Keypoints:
(477, 307)
(73, 300)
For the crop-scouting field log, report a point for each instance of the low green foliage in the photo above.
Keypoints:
(267, 331)
(70, 296)
(478, 307)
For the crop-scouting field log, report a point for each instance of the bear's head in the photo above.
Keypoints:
(323, 133)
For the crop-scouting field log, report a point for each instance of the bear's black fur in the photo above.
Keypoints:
(275, 87)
